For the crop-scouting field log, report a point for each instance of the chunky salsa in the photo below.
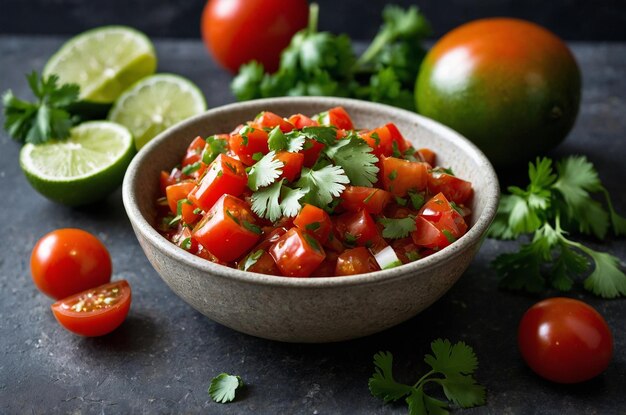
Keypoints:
(311, 197)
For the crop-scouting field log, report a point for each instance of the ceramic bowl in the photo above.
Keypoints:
(308, 309)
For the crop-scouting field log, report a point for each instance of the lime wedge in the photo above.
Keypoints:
(83, 169)
(104, 62)
(156, 103)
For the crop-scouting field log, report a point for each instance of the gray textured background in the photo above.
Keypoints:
(570, 19)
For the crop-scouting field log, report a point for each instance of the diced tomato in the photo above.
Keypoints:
(427, 155)
(226, 175)
(427, 235)
(297, 253)
(270, 235)
(259, 261)
(315, 221)
(228, 230)
(268, 119)
(440, 212)
(406, 250)
(246, 145)
(338, 117)
(399, 176)
(357, 228)
(355, 261)
(180, 191)
(311, 151)
(185, 240)
(167, 179)
(385, 140)
(455, 189)
(300, 121)
(194, 151)
(373, 200)
(327, 267)
(292, 164)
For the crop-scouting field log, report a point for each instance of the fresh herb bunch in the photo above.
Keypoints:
(452, 369)
(551, 205)
(349, 160)
(321, 63)
(224, 386)
(47, 119)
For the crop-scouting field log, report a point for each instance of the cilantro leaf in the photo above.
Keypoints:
(323, 134)
(455, 362)
(252, 259)
(265, 202)
(355, 157)
(224, 386)
(247, 84)
(265, 171)
(213, 148)
(618, 222)
(321, 185)
(47, 119)
(290, 204)
(398, 228)
(606, 280)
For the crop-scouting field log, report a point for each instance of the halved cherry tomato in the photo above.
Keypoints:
(194, 151)
(373, 200)
(68, 261)
(565, 340)
(228, 230)
(315, 221)
(297, 253)
(441, 213)
(338, 117)
(261, 262)
(355, 261)
(427, 155)
(268, 119)
(399, 176)
(357, 228)
(300, 121)
(292, 164)
(180, 191)
(246, 145)
(96, 311)
(427, 235)
(225, 175)
(455, 189)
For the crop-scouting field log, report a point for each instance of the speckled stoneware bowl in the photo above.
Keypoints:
(308, 309)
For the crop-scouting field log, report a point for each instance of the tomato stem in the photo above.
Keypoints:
(314, 11)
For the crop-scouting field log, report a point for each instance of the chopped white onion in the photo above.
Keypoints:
(387, 258)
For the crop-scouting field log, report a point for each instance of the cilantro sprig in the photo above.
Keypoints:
(49, 118)
(452, 367)
(224, 387)
(322, 63)
(552, 204)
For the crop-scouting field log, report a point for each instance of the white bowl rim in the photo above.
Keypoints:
(473, 236)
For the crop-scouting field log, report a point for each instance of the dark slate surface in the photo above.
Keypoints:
(572, 19)
(162, 358)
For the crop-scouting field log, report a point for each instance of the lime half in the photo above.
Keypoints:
(104, 62)
(83, 169)
(156, 103)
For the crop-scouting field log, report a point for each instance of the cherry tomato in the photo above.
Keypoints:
(565, 340)
(178, 192)
(96, 311)
(510, 86)
(399, 176)
(68, 261)
(238, 31)
(455, 189)
(355, 261)
(226, 175)
(371, 199)
(297, 253)
(357, 228)
(246, 145)
(315, 221)
(228, 230)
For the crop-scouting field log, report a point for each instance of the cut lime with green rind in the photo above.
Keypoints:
(83, 169)
(156, 103)
(104, 62)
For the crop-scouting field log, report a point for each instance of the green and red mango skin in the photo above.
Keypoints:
(510, 86)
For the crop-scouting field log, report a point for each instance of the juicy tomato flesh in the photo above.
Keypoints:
(214, 213)
(95, 312)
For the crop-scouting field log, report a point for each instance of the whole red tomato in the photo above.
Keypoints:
(67, 261)
(510, 86)
(238, 31)
(565, 340)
